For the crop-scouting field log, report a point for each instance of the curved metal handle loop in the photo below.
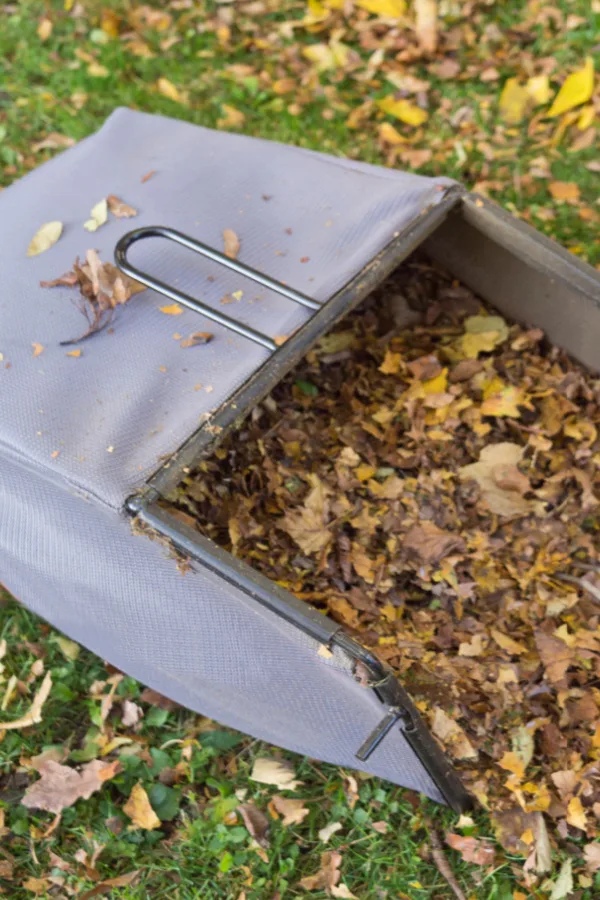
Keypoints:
(196, 305)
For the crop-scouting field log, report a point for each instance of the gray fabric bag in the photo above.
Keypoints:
(78, 436)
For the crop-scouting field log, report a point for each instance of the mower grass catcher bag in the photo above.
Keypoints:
(249, 252)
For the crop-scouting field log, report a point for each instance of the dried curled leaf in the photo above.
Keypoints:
(45, 238)
(61, 786)
(34, 715)
(231, 243)
(119, 208)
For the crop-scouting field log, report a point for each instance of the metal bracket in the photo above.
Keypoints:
(196, 305)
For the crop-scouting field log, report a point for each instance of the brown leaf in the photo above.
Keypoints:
(131, 713)
(591, 853)
(555, 656)
(147, 176)
(307, 525)
(231, 243)
(452, 736)
(256, 822)
(61, 786)
(139, 810)
(328, 876)
(37, 886)
(198, 337)
(53, 141)
(293, 811)
(119, 208)
(156, 699)
(430, 543)
(104, 887)
(426, 24)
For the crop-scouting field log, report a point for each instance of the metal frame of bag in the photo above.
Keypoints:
(511, 265)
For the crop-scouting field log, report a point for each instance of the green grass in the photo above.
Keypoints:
(198, 853)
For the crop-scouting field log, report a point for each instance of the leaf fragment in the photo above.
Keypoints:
(173, 309)
(34, 715)
(119, 208)
(231, 243)
(99, 215)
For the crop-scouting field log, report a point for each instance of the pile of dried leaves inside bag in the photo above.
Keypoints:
(426, 486)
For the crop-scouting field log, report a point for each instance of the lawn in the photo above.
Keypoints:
(312, 75)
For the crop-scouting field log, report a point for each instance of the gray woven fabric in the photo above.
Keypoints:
(136, 391)
(193, 637)
(134, 396)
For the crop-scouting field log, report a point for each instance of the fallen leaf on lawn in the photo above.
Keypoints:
(139, 810)
(578, 88)
(34, 715)
(472, 849)
(386, 9)
(328, 876)
(565, 191)
(293, 811)
(231, 242)
(538, 88)
(53, 141)
(389, 135)
(156, 699)
(329, 830)
(591, 853)
(430, 543)
(174, 309)
(256, 822)
(380, 827)
(61, 786)
(576, 814)
(197, 338)
(38, 349)
(563, 885)
(69, 649)
(119, 208)
(501, 483)
(404, 110)
(426, 14)
(97, 70)
(37, 886)
(168, 89)
(131, 713)
(44, 29)
(45, 238)
(99, 215)
(233, 118)
(514, 101)
(278, 772)
(452, 736)
(104, 887)
(307, 524)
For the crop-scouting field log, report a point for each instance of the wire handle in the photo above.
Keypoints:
(196, 305)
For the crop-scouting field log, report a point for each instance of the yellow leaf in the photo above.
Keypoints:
(44, 29)
(38, 349)
(45, 238)
(391, 363)
(69, 649)
(168, 89)
(507, 643)
(173, 310)
(577, 89)
(34, 715)
(96, 70)
(512, 763)
(514, 101)
(436, 385)
(139, 810)
(501, 399)
(389, 135)
(538, 89)
(99, 215)
(576, 815)
(404, 110)
(387, 9)
(586, 117)
(233, 118)
(109, 23)
(564, 191)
